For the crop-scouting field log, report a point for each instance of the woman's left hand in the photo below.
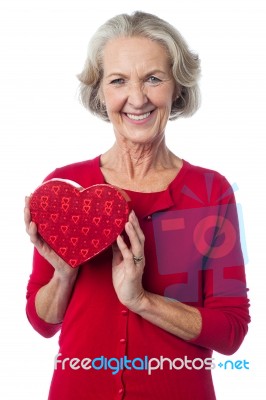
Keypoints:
(128, 265)
(177, 318)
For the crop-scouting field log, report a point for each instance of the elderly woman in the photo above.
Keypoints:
(141, 319)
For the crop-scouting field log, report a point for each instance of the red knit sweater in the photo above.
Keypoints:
(193, 255)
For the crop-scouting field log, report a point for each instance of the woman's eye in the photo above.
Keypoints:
(153, 79)
(118, 81)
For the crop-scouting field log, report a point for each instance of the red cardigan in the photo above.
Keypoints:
(193, 255)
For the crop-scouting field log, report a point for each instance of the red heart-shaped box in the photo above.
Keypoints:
(78, 223)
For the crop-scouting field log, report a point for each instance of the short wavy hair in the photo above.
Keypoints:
(185, 64)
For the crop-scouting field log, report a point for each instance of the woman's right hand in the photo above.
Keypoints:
(52, 299)
(62, 269)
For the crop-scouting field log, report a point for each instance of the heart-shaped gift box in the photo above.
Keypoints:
(78, 223)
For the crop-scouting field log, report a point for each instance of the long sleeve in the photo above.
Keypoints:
(199, 257)
(225, 313)
(41, 274)
(223, 327)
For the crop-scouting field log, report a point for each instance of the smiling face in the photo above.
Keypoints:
(138, 88)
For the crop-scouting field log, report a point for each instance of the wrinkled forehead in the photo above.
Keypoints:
(127, 53)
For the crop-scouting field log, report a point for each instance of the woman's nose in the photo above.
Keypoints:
(137, 95)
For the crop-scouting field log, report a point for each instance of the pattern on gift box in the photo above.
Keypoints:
(78, 223)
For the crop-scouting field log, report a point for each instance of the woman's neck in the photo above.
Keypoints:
(140, 167)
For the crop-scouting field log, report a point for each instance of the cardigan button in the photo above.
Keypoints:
(121, 391)
(122, 340)
(124, 312)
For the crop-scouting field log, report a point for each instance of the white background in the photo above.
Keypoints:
(43, 47)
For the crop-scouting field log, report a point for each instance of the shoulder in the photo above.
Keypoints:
(199, 171)
(85, 173)
(208, 184)
(195, 172)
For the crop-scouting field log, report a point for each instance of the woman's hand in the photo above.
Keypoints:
(128, 265)
(52, 299)
(62, 269)
(179, 319)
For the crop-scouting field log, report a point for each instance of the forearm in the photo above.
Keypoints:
(177, 318)
(52, 299)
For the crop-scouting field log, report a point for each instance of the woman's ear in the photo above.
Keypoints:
(176, 93)
(101, 96)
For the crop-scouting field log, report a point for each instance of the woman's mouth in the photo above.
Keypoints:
(138, 117)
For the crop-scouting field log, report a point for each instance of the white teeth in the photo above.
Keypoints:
(138, 117)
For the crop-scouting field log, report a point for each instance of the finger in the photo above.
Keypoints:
(137, 248)
(27, 216)
(135, 222)
(34, 236)
(27, 201)
(125, 252)
(31, 227)
(32, 230)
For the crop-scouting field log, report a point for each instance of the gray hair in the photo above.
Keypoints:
(185, 64)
